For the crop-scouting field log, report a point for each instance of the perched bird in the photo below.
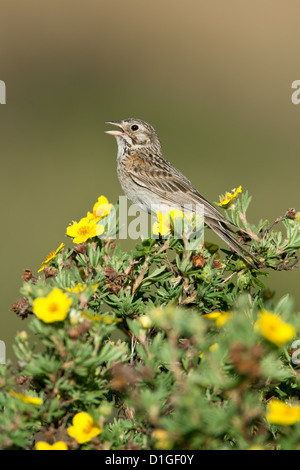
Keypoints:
(153, 183)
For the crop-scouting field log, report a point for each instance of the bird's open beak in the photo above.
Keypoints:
(115, 133)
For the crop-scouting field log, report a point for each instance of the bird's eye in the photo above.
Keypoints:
(134, 127)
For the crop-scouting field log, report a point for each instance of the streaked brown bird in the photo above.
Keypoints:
(153, 183)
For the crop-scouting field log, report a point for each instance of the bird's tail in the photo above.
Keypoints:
(227, 235)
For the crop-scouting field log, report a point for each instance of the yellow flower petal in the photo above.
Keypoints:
(212, 315)
(175, 213)
(84, 428)
(145, 321)
(80, 288)
(282, 414)
(102, 207)
(99, 230)
(274, 329)
(220, 317)
(163, 224)
(92, 217)
(226, 200)
(59, 445)
(162, 438)
(83, 230)
(51, 257)
(26, 398)
(52, 308)
(223, 318)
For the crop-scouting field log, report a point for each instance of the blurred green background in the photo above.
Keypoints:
(214, 78)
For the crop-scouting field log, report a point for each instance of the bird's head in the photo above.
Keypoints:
(134, 133)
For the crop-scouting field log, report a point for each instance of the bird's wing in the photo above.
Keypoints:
(172, 188)
(170, 185)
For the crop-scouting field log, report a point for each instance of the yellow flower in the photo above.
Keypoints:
(145, 321)
(80, 288)
(105, 409)
(51, 257)
(213, 347)
(226, 200)
(84, 229)
(223, 318)
(101, 318)
(174, 213)
(88, 316)
(84, 428)
(220, 317)
(281, 413)
(163, 225)
(101, 208)
(212, 315)
(52, 308)
(274, 329)
(23, 335)
(59, 445)
(162, 439)
(26, 398)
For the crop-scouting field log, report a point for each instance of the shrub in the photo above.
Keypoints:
(158, 347)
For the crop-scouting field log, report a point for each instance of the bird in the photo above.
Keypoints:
(153, 184)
